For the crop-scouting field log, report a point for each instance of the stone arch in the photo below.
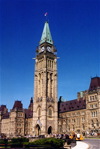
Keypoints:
(50, 130)
(37, 130)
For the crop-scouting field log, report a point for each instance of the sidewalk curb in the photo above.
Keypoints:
(88, 146)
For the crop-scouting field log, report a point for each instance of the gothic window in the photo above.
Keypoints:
(96, 113)
(83, 119)
(50, 112)
(92, 114)
(39, 112)
(50, 63)
(95, 97)
(68, 115)
(73, 120)
(73, 128)
(69, 121)
(83, 127)
(91, 106)
(97, 123)
(73, 114)
(92, 123)
(95, 105)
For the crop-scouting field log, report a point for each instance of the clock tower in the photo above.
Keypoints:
(45, 107)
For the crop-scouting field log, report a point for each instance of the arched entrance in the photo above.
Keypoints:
(37, 130)
(50, 130)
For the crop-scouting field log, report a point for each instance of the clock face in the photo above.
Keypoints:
(42, 49)
(49, 49)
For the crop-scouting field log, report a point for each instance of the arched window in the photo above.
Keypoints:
(39, 112)
(50, 112)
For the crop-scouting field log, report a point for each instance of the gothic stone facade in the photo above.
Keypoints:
(45, 111)
(17, 122)
(81, 115)
(46, 114)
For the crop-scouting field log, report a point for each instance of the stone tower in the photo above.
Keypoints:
(45, 108)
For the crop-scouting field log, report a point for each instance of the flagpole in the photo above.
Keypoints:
(46, 16)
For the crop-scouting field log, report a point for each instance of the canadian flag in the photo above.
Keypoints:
(45, 14)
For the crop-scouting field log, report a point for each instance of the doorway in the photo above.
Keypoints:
(37, 130)
(50, 130)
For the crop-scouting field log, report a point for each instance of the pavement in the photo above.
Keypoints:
(81, 145)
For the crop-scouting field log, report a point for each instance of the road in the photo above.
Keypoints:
(94, 143)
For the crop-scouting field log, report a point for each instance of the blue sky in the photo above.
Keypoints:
(74, 26)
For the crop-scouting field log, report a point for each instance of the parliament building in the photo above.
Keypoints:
(45, 114)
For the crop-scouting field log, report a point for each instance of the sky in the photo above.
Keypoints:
(75, 29)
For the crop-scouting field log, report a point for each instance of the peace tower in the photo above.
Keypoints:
(45, 108)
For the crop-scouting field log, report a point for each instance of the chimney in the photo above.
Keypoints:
(78, 96)
(84, 96)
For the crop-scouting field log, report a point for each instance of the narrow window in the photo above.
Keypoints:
(50, 112)
(50, 63)
(94, 114)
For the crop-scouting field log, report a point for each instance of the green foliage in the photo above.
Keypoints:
(49, 142)
(19, 140)
(2, 142)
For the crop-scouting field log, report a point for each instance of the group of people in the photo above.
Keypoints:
(60, 136)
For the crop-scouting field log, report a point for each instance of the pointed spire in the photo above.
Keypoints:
(46, 35)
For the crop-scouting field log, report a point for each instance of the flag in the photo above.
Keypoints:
(45, 14)
(39, 122)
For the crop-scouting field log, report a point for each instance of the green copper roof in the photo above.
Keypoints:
(46, 34)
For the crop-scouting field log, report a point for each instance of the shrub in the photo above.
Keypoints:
(19, 140)
(2, 142)
(49, 142)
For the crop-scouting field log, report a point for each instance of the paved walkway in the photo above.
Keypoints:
(81, 145)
